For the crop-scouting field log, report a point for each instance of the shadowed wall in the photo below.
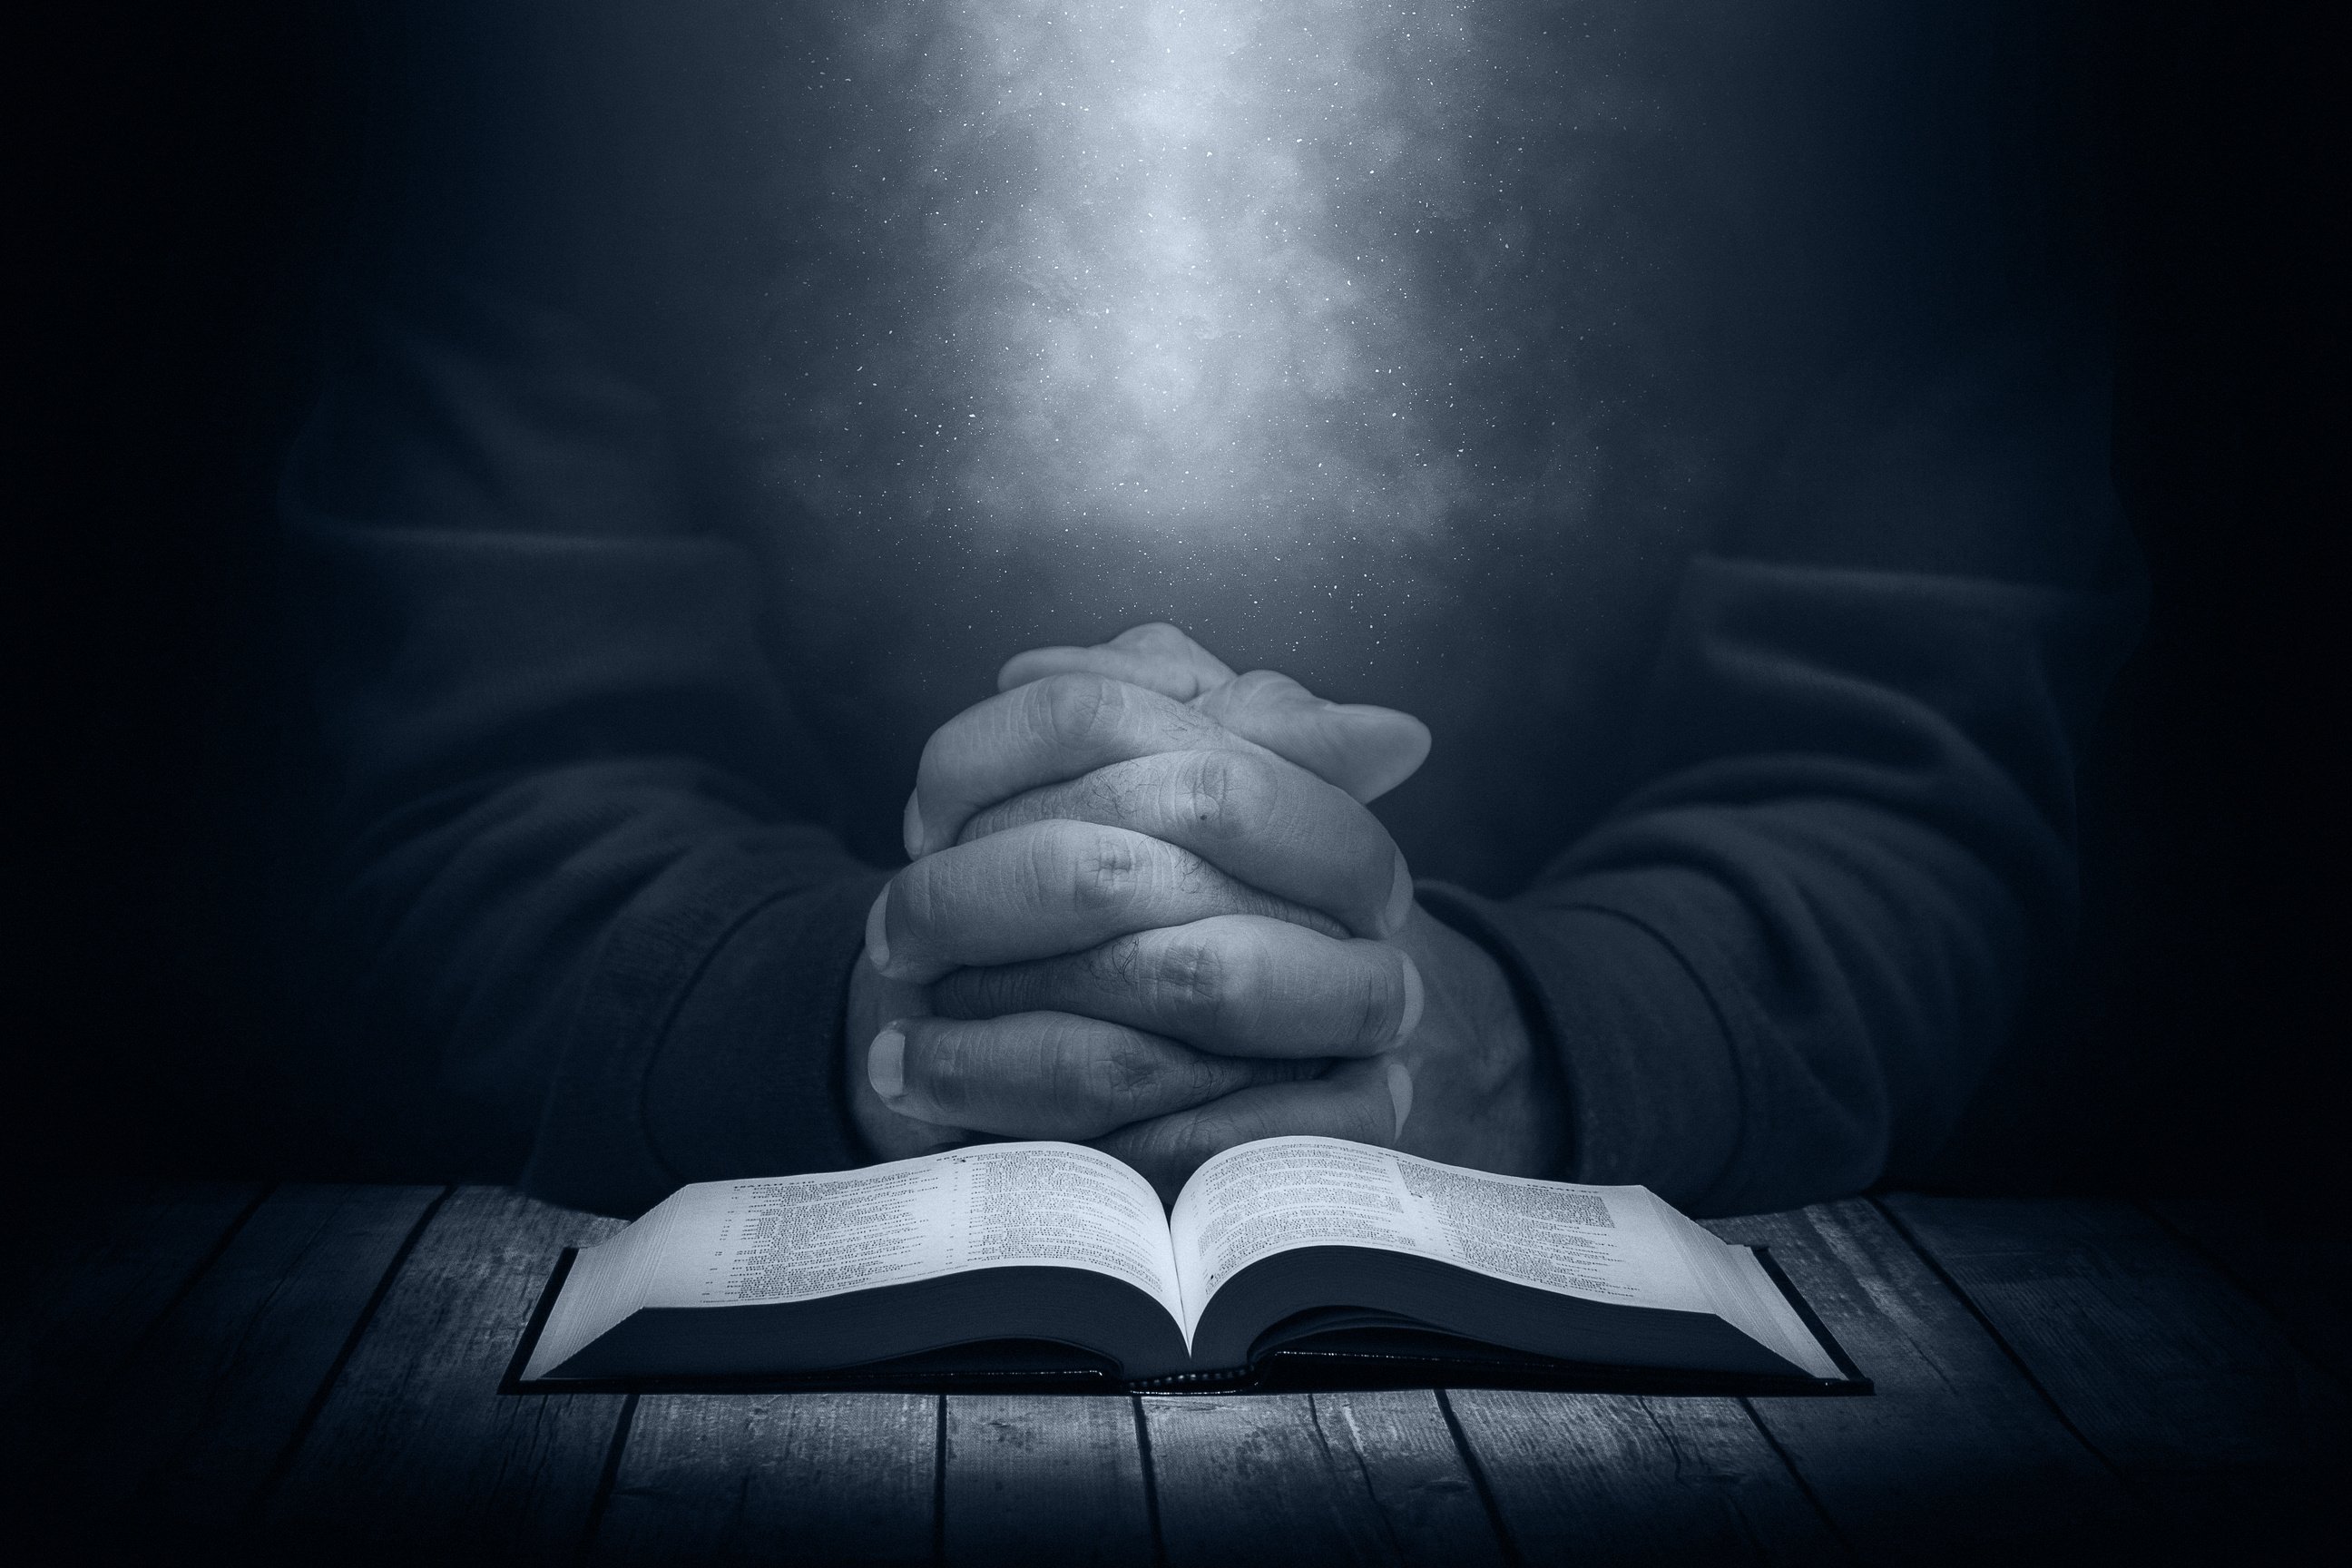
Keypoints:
(192, 171)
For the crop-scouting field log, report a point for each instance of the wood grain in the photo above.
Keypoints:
(91, 1271)
(415, 1456)
(2185, 1384)
(203, 1414)
(1314, 1479)
(1045, 1480)
(774, 1478)
(2047, 1372)
(2303, 1274)
(88, 1275)
(1608, 1479)
(1957, 1458)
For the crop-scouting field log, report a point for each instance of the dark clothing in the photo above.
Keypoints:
(1699, 444)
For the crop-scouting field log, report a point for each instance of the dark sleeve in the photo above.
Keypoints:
(577, 874)
(1777, 970)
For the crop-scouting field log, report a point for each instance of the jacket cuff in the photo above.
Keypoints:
(708, 1044)
(1645, 1062)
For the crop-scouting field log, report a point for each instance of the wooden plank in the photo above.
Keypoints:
(1609, 1479)
(1957, 1457)
(2300, 1267)
(88, 1275)
(93, 1271)
(774, 1478)
(2185, 1384)
(199, 1419)
(1038, 1479)
(1314, 1479)
(415, 1456)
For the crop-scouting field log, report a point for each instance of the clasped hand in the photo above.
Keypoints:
(1148, 910)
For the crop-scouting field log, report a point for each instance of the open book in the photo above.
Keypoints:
(1286, 1249)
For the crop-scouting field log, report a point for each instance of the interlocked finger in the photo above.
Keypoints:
(1061, 727)
(1155, 655)
(1047, 888)
(1258, 818)
(1049, 1075)
(1363, 750)
(1363, 1102)
(1235, 984)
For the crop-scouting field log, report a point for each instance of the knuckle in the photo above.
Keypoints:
(1072, 709)
(1191, 979)
(1204, 786)
(1106, 875)
(1122, 1077)
(1226, 794)
(1133, 1076)
(1125, 1077)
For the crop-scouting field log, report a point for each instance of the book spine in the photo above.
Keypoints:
(1227, 1378)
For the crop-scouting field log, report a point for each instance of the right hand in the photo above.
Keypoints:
(1130, 908)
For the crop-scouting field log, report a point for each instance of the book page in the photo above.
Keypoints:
(607, 1282)
(989, 1206)
(1606, 1244)
(1745, 1296)
(789, 1238)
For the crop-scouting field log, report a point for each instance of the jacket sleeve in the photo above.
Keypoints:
(578, 873)
(1777, 970)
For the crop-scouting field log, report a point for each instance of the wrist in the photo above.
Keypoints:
(1487, 1091)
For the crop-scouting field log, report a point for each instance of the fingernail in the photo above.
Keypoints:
(877, 932)
(1413, 998)
(1399, 904)
(1399, 1091)
(886, 1066)
(911, 827)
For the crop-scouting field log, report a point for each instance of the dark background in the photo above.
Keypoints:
(179, 180)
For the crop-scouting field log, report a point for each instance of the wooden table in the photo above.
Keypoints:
(311, 1371)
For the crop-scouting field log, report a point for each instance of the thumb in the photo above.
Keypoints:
(1365, 750)
(1155, 656)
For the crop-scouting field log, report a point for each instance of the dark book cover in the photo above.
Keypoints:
(1357, 1360)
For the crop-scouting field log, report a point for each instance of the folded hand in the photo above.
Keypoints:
(1135, 918)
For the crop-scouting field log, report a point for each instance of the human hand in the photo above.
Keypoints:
(1464, 1083)
(1168, 910)
(1479, 1092)
(1166, 1042)
(1365, 750)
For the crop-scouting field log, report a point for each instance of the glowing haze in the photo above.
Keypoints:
(1406, 346)
(1166, 265)
(1168, 322)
